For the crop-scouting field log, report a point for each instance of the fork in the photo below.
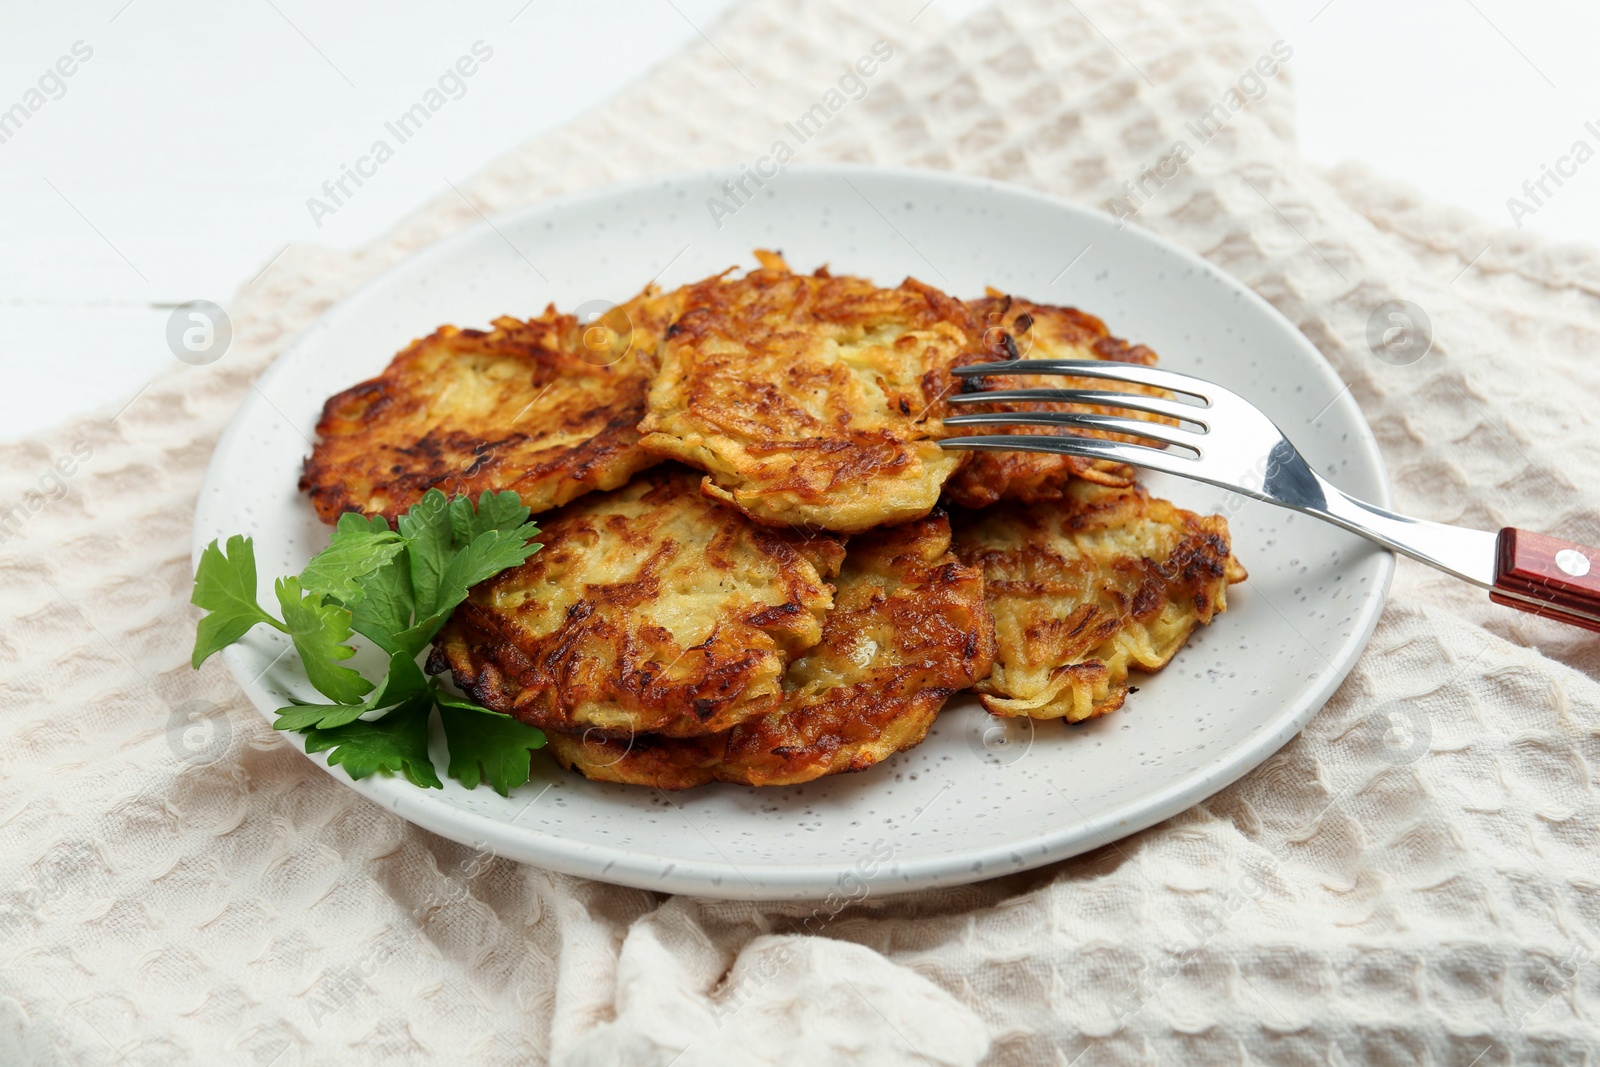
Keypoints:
(1226, 441)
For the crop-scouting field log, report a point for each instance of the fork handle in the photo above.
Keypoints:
(1548, 576)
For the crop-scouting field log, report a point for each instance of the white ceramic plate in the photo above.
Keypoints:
(980, 797)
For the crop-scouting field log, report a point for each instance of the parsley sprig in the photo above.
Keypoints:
(395, 587)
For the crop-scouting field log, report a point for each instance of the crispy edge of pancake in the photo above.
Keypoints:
(909, 627)
(812, 400)
(546, 407)
(649, 608)
(1028, 330)
(1108, 580)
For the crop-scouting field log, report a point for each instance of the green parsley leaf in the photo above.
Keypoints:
(383, 614)
(450, 700)
(403, 681)
(495, 511)
(452, 549)
(226, 587)
(394, 744)
(396, 587)
(488, 554)
(429, 543)
(359, 547)
(320, 630)
(487, 746)
(355, 524)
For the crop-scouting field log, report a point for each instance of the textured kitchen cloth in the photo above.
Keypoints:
(183, 887)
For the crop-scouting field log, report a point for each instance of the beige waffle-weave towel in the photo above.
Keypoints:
(1443, 911)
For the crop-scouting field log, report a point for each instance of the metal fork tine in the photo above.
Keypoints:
(1091, 447)
(1245, 452)
(1111, 370)
(1087, 420)
(1105, 398)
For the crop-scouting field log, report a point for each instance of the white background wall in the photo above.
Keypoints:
(179, 159)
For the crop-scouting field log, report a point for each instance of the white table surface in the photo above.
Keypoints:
(178, 161)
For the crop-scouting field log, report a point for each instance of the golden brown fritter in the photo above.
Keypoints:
(546, 407)
(650, 608)
(811, 400)
(1082, 591)
(1041, 331)
(907, 629)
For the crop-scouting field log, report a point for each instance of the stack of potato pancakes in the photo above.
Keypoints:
(759, 566)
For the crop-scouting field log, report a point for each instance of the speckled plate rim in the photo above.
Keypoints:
(724, 880)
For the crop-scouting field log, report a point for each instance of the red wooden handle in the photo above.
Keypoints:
(1548, 576)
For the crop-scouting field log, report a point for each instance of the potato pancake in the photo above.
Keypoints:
(811, 400)
(546, 407)
(1107, 580)
(908, 628)
(650, 608)
(1026, 330)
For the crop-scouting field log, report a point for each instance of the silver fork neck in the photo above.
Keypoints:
(1467, 554)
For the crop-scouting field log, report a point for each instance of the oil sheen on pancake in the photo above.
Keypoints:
(811, 400)
(1026, 330)
(1107, 580)
(545, 407)
(650, 608)
(907, 629)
